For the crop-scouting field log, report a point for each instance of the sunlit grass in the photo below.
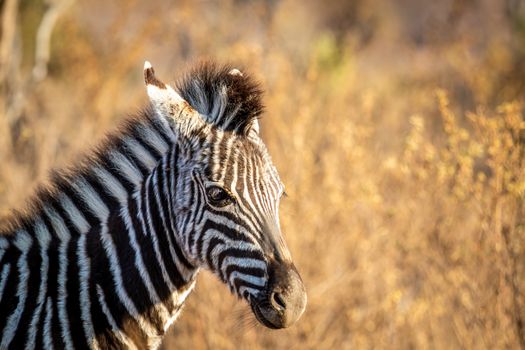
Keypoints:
(404, 162)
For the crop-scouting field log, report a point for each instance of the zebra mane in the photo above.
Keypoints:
(138, 127)
(227, 98)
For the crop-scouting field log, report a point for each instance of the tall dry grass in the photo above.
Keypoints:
(398, 131)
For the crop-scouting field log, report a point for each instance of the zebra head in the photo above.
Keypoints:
(228, 191)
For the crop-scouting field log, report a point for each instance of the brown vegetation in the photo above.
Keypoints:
(397, 129)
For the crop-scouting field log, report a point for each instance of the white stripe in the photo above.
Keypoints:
(44, 238)
(48, 342)
(91, 198)
(163, 311)
(182, 243)
(116, 330)
(111, 252)
(152, 137)
(141, 267)
(60, 229)
(229, 146)
(168, 231)
(181, 297)
(99, 208)
(140, 153)
(166, 129)
(3, 278)
(216, 153)
(228, 243)
(127, 169)
(23, 242)
(200, 233)
(276, 187)
(3, 246)
(243, 209)
(185, 273)
(230, 224)
(257, 178)
(76, 217)
(3, 243)
(118, 191)
(258, 281)
(258, 207)
(160, 260)
(250, 290)
(62, 295)
(84, 264)
(242, 262)
(215, 252)
(111, 184)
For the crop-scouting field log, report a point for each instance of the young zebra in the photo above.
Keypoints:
(107, 254)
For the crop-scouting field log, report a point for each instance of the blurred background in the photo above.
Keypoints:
(397, 128)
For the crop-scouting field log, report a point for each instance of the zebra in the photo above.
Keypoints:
(106, 254)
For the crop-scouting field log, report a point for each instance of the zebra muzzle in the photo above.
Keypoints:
(284, 301)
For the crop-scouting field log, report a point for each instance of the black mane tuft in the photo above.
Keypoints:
(229, 99)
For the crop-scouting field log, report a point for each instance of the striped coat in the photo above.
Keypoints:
(106, 255)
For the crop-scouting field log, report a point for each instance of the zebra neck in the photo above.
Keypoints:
(138, 232)
(154, 254)
(101, 248)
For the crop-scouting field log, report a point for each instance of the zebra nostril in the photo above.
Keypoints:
(278, 301)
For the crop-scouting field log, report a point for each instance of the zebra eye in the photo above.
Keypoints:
(218, 196)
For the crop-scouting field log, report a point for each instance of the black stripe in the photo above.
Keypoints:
(136, 133)
(237, 253)
(163, 232)
(238, 283)
(149, 208)
(232, 217)
(73, 297)
(209, 224)
(172, 176)
(252, 271)
(196, 200)
(100, 274)
(102, 191)
(34, 262)
(133, 283)
(128, 152)
(111, 168)
(213, 243)
(39, 338)
(52, 280)
(56, 333)
(161, 130)
(81, 205)
(56, 206)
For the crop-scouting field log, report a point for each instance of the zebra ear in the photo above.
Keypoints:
(255, 126)
(168, 103)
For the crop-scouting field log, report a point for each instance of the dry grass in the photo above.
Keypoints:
(398, 131)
